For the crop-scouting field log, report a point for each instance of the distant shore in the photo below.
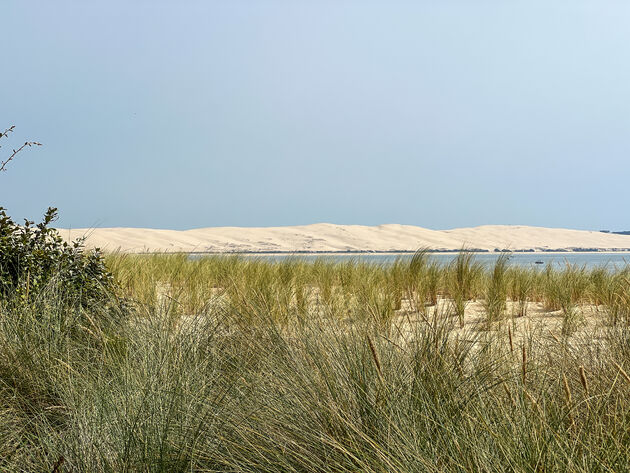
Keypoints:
(324, 238)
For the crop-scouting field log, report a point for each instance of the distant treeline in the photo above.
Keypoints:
(626, 232)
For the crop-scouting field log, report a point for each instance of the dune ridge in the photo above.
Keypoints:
(326, 237)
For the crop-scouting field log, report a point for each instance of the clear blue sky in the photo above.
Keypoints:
(185, 114)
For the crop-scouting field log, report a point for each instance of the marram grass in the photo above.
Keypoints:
(230, 364)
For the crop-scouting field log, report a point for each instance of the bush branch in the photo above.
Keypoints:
(3, 164)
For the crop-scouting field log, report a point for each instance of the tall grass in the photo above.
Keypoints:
(462, 276)
(611, 292)
(496, 290)
(521, 285)
(245, 365)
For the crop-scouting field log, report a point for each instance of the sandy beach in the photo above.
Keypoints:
(324, 237)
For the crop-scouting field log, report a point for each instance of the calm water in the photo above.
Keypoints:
(590, 260)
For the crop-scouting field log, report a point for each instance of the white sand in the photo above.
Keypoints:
(325, 237)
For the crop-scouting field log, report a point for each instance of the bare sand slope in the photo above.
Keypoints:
(324, 237)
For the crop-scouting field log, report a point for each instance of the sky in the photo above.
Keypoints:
(442, 114)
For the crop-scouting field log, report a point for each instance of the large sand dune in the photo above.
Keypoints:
(324, 237)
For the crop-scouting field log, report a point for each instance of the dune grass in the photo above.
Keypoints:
(247, 365)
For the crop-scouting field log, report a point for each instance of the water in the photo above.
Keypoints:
(589, 260)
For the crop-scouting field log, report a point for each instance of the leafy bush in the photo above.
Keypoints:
(33, 257)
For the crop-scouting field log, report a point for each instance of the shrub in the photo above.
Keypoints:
(33, 257)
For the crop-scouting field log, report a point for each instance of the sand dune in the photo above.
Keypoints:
(324, 237)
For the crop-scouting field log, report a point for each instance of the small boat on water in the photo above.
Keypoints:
(539, 262)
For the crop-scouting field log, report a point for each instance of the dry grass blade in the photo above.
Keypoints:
(567, 389)
(622, 371)
(583, 379)
(377, 362)
(524, 363)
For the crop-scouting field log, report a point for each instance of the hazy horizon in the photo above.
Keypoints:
(201, 114)
(610, 230)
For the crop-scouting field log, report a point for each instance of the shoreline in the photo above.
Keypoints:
(367, 252)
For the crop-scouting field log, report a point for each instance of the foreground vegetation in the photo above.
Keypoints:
(245, 365)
